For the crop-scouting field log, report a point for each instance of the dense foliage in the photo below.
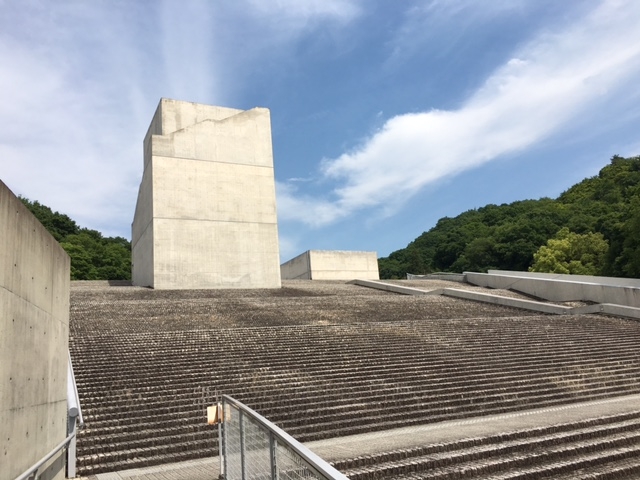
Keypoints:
(572, 253)
(93, 257)
(507, 236)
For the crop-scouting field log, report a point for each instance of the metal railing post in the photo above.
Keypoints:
(273, 446)
(221, 447)
(243, 463)
(71, 449)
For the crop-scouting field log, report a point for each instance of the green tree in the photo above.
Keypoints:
(93, 256)
(572, 253)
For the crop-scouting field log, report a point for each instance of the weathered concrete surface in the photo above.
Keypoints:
(331, 265)
(206, 211)
(557, 290)
(34, 337)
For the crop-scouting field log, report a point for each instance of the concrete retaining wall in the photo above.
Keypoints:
(331, 265)
(34, 337)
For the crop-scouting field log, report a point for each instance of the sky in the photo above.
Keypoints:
(386, 115)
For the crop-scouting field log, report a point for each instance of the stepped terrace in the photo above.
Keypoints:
(327, 360)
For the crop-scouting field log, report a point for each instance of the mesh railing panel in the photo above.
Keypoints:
(253, 450)
(290, 466)
(232, 446)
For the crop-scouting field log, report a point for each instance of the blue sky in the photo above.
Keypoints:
(386, 115)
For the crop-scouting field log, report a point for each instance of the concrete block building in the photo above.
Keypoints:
(206, 210)
(331, 265)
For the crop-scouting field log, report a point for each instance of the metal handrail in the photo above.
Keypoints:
(35, 467)
(74, 416)
(314, 462)
(73, 400)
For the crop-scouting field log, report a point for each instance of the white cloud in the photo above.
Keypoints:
(549, 81)
(67, 137)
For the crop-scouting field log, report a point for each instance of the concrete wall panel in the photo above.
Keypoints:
(34, 334)
(559, 290)
(242, 139)
(142, 258)
(144, 205)
(614, 281)
(177, 114)
(297, 268)
(188, 189)
(215, 254)
(332, 265)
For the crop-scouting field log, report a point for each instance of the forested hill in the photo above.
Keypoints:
(93, 257)
(593, 227)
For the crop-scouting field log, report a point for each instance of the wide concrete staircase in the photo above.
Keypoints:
(599, 448)
(344, 360)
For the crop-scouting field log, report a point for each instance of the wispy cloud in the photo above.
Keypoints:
(549, 81)
(80, 81)
(67, 137)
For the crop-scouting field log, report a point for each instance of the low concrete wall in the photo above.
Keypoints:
(614, 281)
(559, 290)
(34, 337)
(331, 265)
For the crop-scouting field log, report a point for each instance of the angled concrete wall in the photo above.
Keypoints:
(34, 339)
(206, 211)
(613, 281)
(573, 288)
(331, 265)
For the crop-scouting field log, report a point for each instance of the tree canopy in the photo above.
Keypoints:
(571, 253)
(93, 257)
(507, 236)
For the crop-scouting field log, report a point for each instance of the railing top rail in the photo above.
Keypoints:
(314, 461)
(73, 400)
(36, 466)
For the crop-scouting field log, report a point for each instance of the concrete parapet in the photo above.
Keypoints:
(331, 265)
(557, 290)
(34, 337)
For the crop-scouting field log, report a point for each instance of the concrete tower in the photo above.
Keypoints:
(206, 210)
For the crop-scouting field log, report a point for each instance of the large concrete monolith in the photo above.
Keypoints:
(206, 210)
